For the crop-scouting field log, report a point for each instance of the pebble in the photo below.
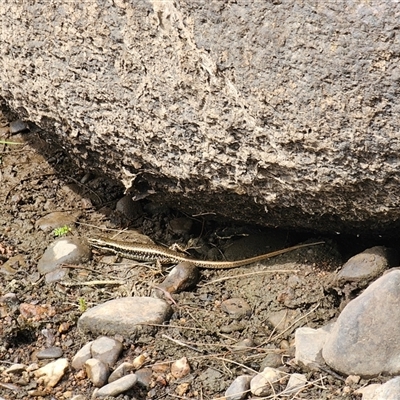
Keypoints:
(139, 361)
(273, 360)
(121, 371)
(129, 208)
(387, 391)
(236, 308)
(97, 371)
(127, 316)
(144, 377)
(266, 382)
(182, 277)
(50, 352)
(239, 388)
(49, 335)
(78, 397)
(57, 219)
(68, 250)
(51, 373)
(366, 266)
(117, 387)
(352, 347)
(296, 383)
(16, 369)
(82, 356)
(180, 368)
(18, 126)
(309, 344)
(106, 349)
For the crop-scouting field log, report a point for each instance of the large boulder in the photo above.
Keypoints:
(276, 112)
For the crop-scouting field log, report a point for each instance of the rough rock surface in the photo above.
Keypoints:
(363, 340)
(281, 113)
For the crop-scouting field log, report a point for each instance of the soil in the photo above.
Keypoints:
(37, 177)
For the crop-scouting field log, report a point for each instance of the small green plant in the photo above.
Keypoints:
(82, 304)
(61, 231)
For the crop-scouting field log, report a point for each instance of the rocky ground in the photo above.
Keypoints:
(229, 323)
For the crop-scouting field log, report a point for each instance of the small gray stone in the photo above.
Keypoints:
(117, 387)
(16, 369)
(120, 371)
(97, 371)
(125, 316)
(144, 377)
(296, 383)
(18, 126)
(272, 360)
(387, 391)
(265, 383)
(129, 208)
(366, 266)
(236, 308)
(182, 277)
(239, 388)
(82, 356)
(50, 352)
(106, 350)
(64, 250)
(309, 343)
(363, 340)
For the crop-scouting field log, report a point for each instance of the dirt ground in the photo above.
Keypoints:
(289, 291)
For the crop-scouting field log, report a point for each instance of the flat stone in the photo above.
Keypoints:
(97, 371)
(51, 373)
(144, 377)
(50, 352)
(387, 391)
(117, 387)
(309, 344)
(18, 126)
(121, 371)
(16, 369)
(126, 316)
(364, 339)
(68, 250)
(82, 356)
(265, 382)
(106, 350)
(296, 382)
(182, 277)
(366, 266)
(239, 388)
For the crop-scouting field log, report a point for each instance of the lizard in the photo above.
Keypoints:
(163, 255)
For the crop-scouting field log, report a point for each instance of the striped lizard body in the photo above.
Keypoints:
(163, 255)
